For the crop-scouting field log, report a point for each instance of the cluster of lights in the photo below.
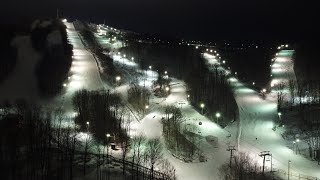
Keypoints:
(283, 46)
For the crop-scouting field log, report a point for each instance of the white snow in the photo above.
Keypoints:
(256, 121)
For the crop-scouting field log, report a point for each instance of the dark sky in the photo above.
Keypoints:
(198, 19)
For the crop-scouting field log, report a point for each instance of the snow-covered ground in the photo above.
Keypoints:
(281, 73)
(83, 74)
(252, 134)
(257, 118)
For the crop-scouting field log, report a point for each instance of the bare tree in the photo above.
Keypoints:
(280, 95)
(167, 169)
(292, 89)
(243, 168)
(153, 153)
(137, 142)
(86, 147)
(124, 143)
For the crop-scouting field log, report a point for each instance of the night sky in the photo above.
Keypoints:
(193, 19)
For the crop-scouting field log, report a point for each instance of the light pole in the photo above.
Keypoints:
(118, 78)
(218, 116)
(279, 114)
(108, 135)
(263, 91)
(167, 90)
(150, 67)
(289, 169)
(297, 140)
(88, 123)
(202, 106)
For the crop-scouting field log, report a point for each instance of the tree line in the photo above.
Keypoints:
(52, 70)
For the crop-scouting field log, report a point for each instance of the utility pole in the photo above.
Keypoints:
(289, 169)
(231, 149)
(264, 154)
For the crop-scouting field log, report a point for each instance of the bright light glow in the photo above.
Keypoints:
(118, 78)
(147, 107)
(64, 84)
(287, 45)
(167, 88)
(297, 140)
(197, 47)
(253, 83)
(223, 61)
(165, 72)
(211, 50)
(207, 49)
(232, 79)
(150, 67)
(64, 20)
(118, 53)
(218, 114)
(108, 135)
(202, 105)
(264, 90)
(278, 70)
(188, 95)
(132, 58)
(88, 122)
(75, 84)
(279, 113)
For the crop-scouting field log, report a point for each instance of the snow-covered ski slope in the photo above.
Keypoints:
(84, 70)
(256, 121)
(282, 73)
(254, 132)
(83, 74)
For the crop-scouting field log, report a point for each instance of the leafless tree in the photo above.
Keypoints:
(167, 168)
(280, 95)
(86, 148)
(153, 153)
(292, 89)
(242, 168)
(137, 142)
